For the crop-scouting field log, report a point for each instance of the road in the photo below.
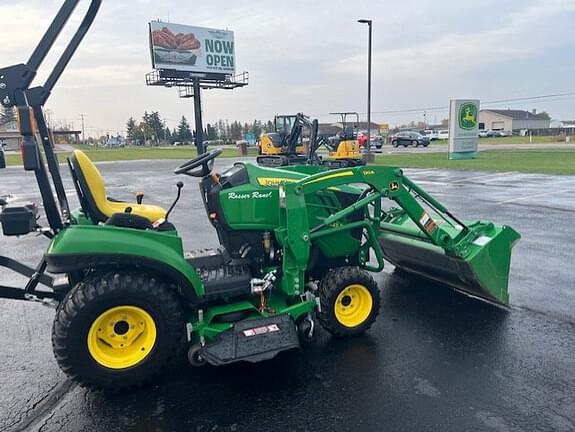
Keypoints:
(434, 361)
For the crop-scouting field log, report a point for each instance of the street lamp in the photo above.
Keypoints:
(368, 155)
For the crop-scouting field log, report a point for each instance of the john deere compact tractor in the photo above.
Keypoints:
(297, 248)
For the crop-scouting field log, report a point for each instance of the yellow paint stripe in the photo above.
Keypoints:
(274, 181)
(336, 175)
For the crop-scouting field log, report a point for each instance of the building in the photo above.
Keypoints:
(332, 129)
(512, 120)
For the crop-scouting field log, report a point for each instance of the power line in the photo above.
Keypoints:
(493, 102)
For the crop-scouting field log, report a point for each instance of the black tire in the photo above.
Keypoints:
(91, 299)
(332, 285)
(394, 143)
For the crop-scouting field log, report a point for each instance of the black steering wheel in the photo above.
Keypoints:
(205, 161)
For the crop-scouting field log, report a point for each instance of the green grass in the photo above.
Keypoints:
(530, 161)
(557, 161)
(136, 153)
(517, 140)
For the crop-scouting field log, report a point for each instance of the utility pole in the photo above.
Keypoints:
(83, 130)
(368, 156)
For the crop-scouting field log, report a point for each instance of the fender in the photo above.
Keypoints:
(83, 246)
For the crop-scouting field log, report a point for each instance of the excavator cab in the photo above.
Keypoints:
(285, 145)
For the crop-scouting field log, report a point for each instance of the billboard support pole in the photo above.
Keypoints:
(198, 116)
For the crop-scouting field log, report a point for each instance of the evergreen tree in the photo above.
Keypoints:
(131, 130)
(168, 136)
(211, 133)
(184, 132)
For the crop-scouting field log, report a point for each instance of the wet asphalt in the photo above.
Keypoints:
(434, 360)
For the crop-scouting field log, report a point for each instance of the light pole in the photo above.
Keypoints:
(368, 156)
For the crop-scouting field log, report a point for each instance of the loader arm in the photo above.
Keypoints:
(478, 251)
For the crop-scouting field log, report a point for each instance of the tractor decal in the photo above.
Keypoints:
(467, 116)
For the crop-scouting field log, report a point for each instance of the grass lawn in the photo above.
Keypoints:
(532, 161)
(136, 153)
(517, 140)
(556, 161)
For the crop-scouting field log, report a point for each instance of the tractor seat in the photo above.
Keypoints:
(92, 193)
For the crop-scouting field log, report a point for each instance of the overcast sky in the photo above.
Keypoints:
(311, 56)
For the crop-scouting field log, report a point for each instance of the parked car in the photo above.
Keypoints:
(409, 138)
(498, 133)
(443, 134)
(431, 134)
(483, 133)
(376, 142)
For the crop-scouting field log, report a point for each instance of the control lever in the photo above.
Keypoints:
(179, 185)
(139, 197)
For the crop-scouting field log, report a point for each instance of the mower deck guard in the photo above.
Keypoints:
(479, 267)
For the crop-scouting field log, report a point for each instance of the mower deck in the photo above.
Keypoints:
(253, 341)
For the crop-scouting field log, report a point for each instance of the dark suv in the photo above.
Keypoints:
(409, 138)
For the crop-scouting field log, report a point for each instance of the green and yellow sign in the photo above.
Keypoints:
(467, 116)
(463, 128)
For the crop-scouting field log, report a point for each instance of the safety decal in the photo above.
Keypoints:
(261, 330)
(428, 223)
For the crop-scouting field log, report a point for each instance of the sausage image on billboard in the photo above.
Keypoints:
(193, 49)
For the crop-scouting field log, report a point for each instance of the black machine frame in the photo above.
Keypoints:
(15, 92)
(190, 85)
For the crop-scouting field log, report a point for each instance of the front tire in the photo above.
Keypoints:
(350, 301)
(116, 331)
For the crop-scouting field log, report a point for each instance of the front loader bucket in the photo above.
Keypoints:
(479, 267)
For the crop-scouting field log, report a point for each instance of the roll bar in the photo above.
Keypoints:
(15, 91)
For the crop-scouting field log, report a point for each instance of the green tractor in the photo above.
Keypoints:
(297, 246)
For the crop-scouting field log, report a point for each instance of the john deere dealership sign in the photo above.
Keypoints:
(192, 49)
(463, 128)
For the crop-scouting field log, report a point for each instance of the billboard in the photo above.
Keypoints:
(463, 128)
(192, 49)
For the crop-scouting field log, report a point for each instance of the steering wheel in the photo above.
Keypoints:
(205, 161)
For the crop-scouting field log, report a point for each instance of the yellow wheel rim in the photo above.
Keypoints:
(122, 337)
(353, 305)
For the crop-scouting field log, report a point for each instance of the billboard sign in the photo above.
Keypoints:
(192, 49)
(463, 128)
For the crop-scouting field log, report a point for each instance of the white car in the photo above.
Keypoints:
(483, 133)
(443, 134)
(431, 134)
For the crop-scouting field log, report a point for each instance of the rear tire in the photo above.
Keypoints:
(394, 143)
(115, 331)
(350, 301)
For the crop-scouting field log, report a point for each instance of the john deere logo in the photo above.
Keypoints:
(467, 116)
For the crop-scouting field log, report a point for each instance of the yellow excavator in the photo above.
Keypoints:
(284, 146)
(344, 149)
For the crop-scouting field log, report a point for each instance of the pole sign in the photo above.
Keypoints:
(251, 138)
(463, 128)
(192, 49)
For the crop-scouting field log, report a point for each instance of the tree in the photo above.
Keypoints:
(131, 130)
(168, 136)
(211, 132)
(184, 133)
(257, 128)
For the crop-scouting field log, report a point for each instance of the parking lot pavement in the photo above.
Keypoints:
(434, 360)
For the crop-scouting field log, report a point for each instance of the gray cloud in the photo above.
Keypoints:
(311, 55)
